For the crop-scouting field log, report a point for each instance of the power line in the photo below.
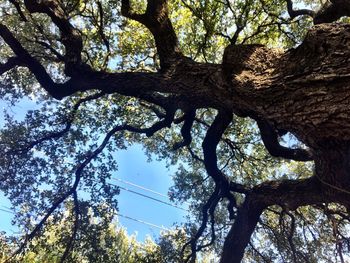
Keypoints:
(134, 192)
(121, 215)
(149, 197)
(7, 211)
(143, 222)
(144, 188)
(140, 187)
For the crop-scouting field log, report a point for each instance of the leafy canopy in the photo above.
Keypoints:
(62, 151)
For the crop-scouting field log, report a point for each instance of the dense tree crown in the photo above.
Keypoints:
(250, 98)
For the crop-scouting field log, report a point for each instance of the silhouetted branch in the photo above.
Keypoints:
(208, 206)
(270, 139)
(186, 130)
(69, 122)
(294, 13)
(156, 19)
(59, 56)
(11, 63)
(101, 27)
(19, 10)
(259, 253)
(72, 238)
(166, 122)
(70, 37)
(22, 54)
(222, 185)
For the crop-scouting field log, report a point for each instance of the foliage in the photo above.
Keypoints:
(60, 154)
(98, 243)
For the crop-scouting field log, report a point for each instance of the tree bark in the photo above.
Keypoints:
(239, 236)
(304, 90)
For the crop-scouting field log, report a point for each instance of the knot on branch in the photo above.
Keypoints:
(248, 59)
(323, 55)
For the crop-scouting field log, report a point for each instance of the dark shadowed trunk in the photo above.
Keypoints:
(305, 91)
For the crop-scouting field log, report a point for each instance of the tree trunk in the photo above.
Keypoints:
(305, 90)
(241, 231)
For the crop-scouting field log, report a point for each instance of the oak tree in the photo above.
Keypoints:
(197, 81)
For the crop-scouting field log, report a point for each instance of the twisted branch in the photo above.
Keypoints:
(70, 37)
(156, 19)
(294, 13)
(189, 118)
(270, 136)
(11, 63)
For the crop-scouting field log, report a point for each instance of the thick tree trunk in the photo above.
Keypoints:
(241, 231)
(305, 91)
(289, 194)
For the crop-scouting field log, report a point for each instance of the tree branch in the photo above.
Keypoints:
(270, 139)
(294, 13)
(239, 235)
(69, 121)
(290, 236)
(138, 84)
(208, 209)
(124, 82)
(156, 19)
(101, 27)
(70, 37)
(288, 193)
(19, 10)
(266, 260)
(49, 47)
(34, 66)
(210, 142)
(70, 244)
(71, 191)
(11, 63)
(186, 130)
(332, 11)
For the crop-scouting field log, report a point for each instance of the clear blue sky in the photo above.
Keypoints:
(133, 167)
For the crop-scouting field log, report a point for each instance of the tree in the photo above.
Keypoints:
(102, 81)
(99, 243)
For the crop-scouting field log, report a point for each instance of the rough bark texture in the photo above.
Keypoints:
(304, 90)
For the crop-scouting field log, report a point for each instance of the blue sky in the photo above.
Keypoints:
(134, 168)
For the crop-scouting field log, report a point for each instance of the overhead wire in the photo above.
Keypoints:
(140, 187)
(145, 189)
(121, 215)
(7, 210)
(143, 222)
(149, 197)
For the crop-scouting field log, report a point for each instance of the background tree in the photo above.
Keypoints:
(97, 243)
(199, 82)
